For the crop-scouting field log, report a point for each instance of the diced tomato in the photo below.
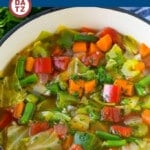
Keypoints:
(57, 51)
(38, 127)
(61, 62)
(111, 93)
(93, 59)
(61, 130)
(5, 118)
(111, 114)
(75, 147)
(121, 130)
(43, 65)
(116, 37)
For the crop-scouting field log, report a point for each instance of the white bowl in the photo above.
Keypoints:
(75, 18)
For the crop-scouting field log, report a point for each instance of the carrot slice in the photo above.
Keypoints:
(93, 48)
(126, 86)
(79, 47)
(76, 87)
(67, 142)
(89, 86)
(146, 116)
(140, 66)
(104, 43)
(144, 50)
(29, 64)
(18, 110)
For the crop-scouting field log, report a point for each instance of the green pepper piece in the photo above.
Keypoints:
(29, 80)
(86, 140)
(114, 143)
(20, 68)
(85, 37)
(107, 136)
(28, 113)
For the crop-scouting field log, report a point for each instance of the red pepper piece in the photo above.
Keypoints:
(5, 118)
(61, 130)
(61, 62)
(38, 127)
(111, 93)
(115, 35)
(111, 114)
(121, 130)
(43, 65)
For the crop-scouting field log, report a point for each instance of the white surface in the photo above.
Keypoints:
(75, 18)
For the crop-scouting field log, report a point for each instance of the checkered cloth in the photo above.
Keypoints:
(141, 11)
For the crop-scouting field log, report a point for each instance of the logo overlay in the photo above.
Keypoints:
(20, 8)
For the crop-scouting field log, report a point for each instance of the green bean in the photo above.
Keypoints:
(145, 81)
(86, 38)
(114, 143)
(141, 85)
(107, 136)
(28, 113)
(140, 90)
(20, 68)
(132, 139)
(28, 80)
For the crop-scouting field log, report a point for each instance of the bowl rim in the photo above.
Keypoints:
(53, 9)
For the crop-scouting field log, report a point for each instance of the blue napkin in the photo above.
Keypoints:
(141, 11)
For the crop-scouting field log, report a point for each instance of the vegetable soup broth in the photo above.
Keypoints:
(75, 89)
